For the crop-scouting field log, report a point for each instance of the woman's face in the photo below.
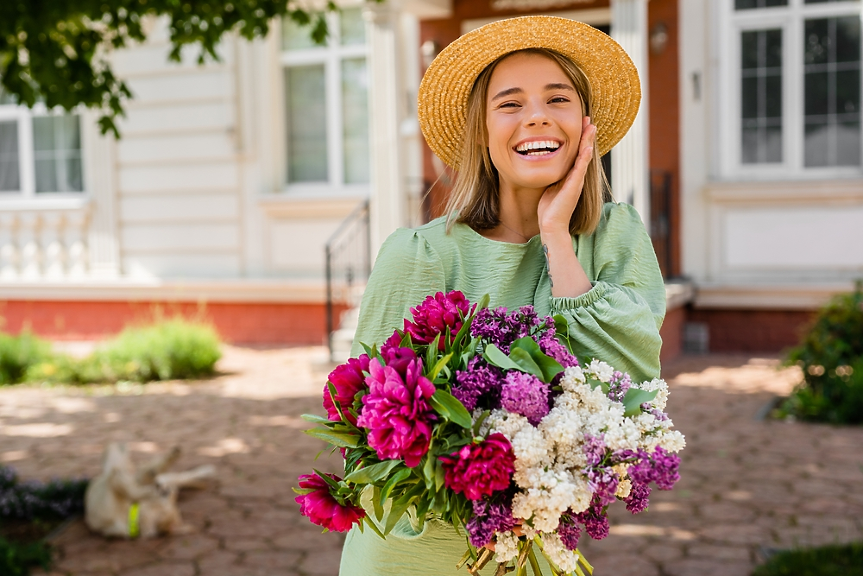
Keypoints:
(534, 119)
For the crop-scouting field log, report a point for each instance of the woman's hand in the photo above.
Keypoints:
(559, 200)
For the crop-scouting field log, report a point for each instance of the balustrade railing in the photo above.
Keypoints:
(348, 264)
(43, 244)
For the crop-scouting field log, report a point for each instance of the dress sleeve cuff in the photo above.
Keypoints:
(563, 304)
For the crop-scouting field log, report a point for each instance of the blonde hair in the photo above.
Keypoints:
(474, 199)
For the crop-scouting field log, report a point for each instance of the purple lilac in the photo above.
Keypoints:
(525, 394)
(502, 329)
(551, 346)
(661, 467)
(479, 380)
(569, 532)
(594, 449)
(603, 482)
(637, 501)
(487, 519)
(595, 521)
(618, 386)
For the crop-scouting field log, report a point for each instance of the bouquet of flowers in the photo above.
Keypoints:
(484, 419)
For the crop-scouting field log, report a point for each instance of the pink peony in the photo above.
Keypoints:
(396, 410)
(480, 469)
(435, 315)
(324, 510)
(348, 379)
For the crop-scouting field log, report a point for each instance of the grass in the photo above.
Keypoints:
(837, 560)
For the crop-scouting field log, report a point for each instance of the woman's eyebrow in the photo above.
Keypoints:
(559, 86)
(507, 92)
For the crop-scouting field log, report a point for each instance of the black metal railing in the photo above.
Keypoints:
(348, 262)
(660, 218)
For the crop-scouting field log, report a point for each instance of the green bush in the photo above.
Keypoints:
(19, 352)
(171, 349)
(16, 558)
(831, 356)
(166, 350)
(843, 560)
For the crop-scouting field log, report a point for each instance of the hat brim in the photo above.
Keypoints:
(446, 85)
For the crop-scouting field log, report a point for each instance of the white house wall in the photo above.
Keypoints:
(784, 244)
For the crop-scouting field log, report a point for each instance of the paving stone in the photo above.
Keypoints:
(745, 483)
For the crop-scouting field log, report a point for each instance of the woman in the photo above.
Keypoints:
(523, 109)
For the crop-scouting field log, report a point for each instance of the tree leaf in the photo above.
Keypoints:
(438, 366)
(397, 511)
(450, 408)
(549, 366)
(525, 362)
(315, 419)
(377, 503)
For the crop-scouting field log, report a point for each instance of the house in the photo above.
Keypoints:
(745, 162)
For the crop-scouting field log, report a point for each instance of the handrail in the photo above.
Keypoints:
(347, 255)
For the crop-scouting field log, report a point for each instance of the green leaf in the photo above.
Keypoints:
(438, 367)
(340, 439)
(397, 511)
(549, 366)
(370, 352)
(374, 526)
(525, 362)
(315, 419)
(561, 325)
(402, 474)
(450, 408)
(373, 473)
(635, 398)
(378, 503)
(483, 302)
(334, 484)
(439, 475)
(479, 422)
(495, 356)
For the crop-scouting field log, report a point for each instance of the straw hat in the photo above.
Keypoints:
(446, 85)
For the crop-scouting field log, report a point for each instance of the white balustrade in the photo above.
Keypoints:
(43, 244)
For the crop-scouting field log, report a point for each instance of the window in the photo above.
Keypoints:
(40, 152)
(326, 104)
(794, 88)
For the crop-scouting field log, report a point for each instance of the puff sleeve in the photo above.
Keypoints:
(407, 270)
(618, 320)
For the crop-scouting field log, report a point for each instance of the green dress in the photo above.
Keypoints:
(617, 321)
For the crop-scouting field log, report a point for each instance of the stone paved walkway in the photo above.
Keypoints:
(748, 485)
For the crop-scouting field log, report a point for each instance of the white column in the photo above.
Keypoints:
(388, 200)
(8, 245)
(53, 245)
(102, 238)
(630, 175)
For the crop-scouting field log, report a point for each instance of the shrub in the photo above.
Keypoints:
(34, 500)
(843, 560)
(831, 356)
(16, 558)
(19, 352)
(168, 350)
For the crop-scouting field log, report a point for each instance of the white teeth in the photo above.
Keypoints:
(538, 145)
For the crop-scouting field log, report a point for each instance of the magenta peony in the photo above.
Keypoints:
(348, 379)
(322, 509)
(480, 469)
(396, 410)
(437, 314)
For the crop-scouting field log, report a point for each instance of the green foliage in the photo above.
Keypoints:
(16, 559)
(843, 560)
(166, 350)
(171, 349)
(19, 352)
(831, 356)
(55, 51)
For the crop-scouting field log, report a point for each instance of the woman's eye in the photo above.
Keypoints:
(509, 105)
(559, 99)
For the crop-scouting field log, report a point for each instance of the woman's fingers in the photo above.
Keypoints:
(517, 530)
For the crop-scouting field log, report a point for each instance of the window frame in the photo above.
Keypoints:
(27, 194)
(790, 19)
(331, 57)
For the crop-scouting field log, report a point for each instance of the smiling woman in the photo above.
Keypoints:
(522, 109)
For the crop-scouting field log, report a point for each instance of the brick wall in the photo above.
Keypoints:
(752, 330)
(239, 323)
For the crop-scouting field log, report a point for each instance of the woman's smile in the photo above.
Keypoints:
(534, 122)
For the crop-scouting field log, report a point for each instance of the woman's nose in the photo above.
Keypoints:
(537, 115)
